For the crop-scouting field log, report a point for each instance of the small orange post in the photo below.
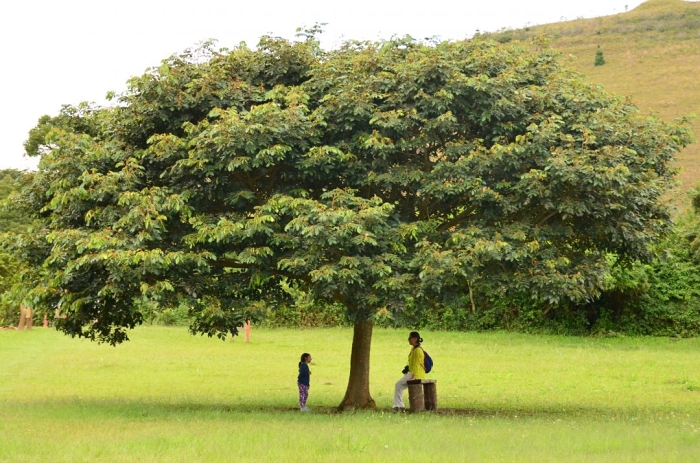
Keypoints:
(46, 321)
(247, 331)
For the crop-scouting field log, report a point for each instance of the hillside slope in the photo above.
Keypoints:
(652, 55)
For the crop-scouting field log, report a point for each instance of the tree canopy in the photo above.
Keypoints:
(371, 175)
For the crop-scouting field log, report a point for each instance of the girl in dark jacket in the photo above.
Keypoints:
(303, 381)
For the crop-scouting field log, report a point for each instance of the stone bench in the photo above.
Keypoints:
(422, 394)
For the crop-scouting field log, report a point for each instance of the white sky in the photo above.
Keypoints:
(67, 51)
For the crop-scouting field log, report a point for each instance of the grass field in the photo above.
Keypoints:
(170, 396)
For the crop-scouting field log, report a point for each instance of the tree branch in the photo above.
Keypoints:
(230, 263)
(546, 218)
(461, 216)
(471, 297)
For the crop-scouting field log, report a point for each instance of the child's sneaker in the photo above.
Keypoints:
(305, 409)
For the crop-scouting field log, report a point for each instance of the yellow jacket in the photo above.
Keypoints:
(416, 363)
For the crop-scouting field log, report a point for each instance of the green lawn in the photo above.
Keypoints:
(170, 396)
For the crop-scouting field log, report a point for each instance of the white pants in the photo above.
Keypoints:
(401, 385)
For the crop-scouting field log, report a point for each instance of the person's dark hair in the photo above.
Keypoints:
(414, 334)
(304, 356)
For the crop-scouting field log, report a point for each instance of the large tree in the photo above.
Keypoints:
(374, 175)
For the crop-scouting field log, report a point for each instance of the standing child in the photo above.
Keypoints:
(303, 381)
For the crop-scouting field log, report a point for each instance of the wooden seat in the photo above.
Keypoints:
(422, 394)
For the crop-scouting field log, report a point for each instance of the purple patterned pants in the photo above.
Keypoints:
(303, 394)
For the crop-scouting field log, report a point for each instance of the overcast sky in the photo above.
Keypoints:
(67, 51)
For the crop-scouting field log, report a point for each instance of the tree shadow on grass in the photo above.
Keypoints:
(152, 409)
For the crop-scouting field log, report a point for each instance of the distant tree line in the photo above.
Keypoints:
(13, 225)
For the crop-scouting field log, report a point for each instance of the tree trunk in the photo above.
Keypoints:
(357, 394)
(471, 297)
(25, 317)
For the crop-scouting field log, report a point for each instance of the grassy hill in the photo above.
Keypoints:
(652, 55)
